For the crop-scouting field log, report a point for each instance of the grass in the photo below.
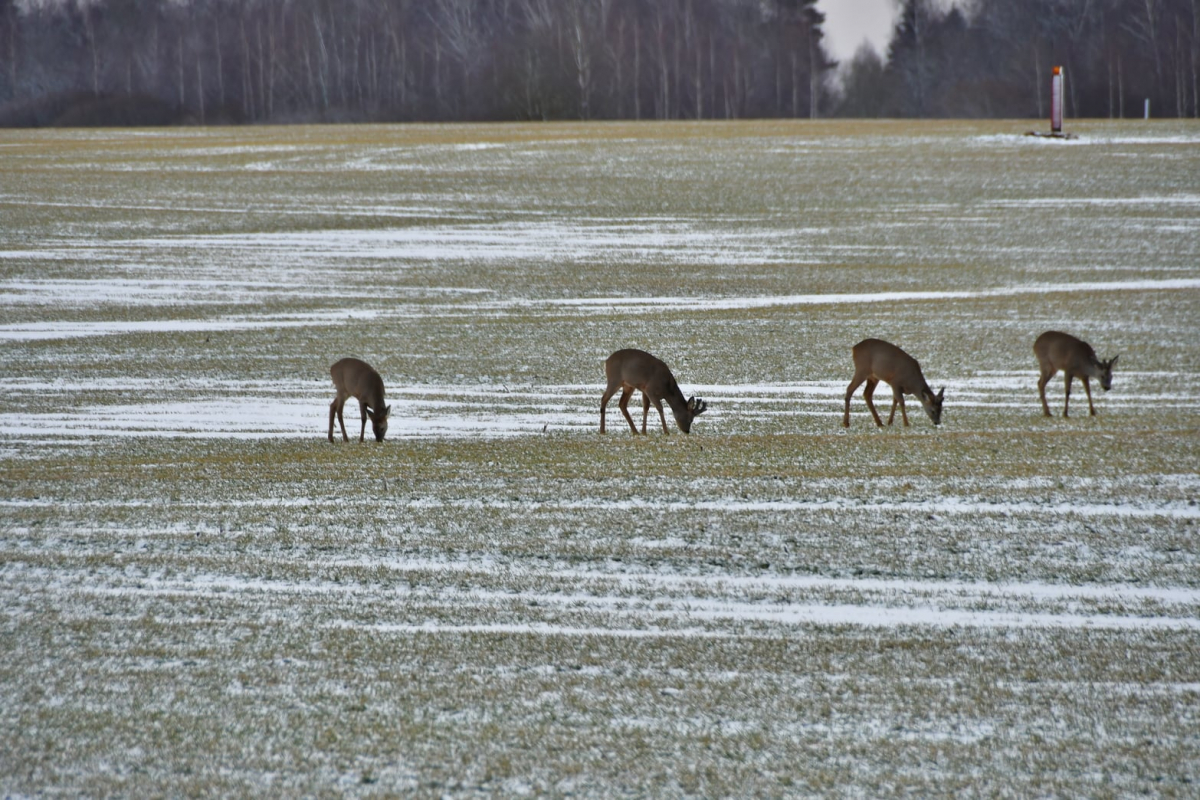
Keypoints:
(773, 605)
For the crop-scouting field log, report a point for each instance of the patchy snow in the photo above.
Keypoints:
(670, 240)
(175, 292)
(205, 408)
(769, 596)
(634, 304)
(158, 293)
(30, 331)
(1148, 137)
(679, 609)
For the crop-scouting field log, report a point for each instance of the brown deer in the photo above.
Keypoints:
(876, 360)
(628, 370)
(1077, 359)
(352, 377)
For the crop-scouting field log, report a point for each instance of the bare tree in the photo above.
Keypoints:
(581, 22)
(459, 25)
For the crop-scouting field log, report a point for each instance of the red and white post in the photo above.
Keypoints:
(1056, 101)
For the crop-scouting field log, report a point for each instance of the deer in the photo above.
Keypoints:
(876, 360)
(630, 369)
(354, 378)
(1056, 350)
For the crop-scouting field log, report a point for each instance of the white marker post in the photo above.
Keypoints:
(1056, 101)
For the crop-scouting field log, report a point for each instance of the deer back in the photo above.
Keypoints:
(886, 362)
(1059, 350)
(358, 379)
(645, 373)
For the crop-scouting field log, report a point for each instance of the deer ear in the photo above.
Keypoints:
(387, 412)
(1114, 361)
(941, 394)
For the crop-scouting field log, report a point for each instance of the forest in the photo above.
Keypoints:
(393, 60)
(992, 58)
(132, 62)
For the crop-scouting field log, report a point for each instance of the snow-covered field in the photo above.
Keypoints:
(199, 594)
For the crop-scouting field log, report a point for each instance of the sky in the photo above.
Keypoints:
(849, 22)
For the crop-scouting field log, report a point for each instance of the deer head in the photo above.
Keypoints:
(1106, 373)
(695, 407)
(379, 422)
(932, 403)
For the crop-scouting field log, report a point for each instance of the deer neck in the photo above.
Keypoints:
(916, 383)
(677, 402)
(373, 398)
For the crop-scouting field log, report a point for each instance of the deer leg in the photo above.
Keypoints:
(854, 384)
(645, 410)
(662, 417)
(362, 413)
(1043, 379)
(332, 415)
(623, 403)
(1087, 387)
(898, 400)
(868, 393)
(341, 403)
(608, 393)
(1066, 394)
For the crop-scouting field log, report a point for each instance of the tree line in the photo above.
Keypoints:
(393, 60)
(992, 58)
(246, 61)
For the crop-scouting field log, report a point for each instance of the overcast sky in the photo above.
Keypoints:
(849, 22)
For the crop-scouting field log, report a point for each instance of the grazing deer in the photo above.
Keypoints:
(635, 369)
(352, 377)
(1077, 359)
(876, 360)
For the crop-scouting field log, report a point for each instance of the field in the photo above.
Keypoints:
(200, 595)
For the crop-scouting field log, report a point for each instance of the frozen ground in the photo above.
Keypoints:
(199, 594)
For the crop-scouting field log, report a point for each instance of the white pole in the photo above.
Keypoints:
(1056, 101)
